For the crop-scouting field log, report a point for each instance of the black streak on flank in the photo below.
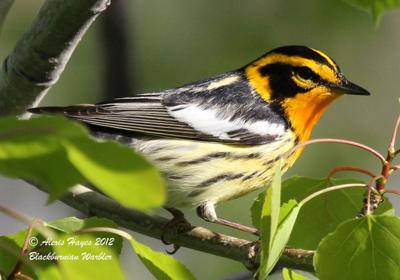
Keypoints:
(219, 178)
(196, 192)
(218, 155)
(164, 159)
(247, 177)
(205, 158)
(271, 161)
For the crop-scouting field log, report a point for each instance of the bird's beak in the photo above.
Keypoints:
(348, 87)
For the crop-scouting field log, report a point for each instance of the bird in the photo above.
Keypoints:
(220, 138)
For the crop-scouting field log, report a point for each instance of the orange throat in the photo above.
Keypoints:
(304, 111)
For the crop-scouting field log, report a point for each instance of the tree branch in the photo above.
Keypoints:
(93, 203)
(40, 57)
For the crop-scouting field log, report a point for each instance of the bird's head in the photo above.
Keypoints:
(302, 82)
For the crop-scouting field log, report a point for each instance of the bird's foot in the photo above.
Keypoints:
(177, 224)
(206, 211)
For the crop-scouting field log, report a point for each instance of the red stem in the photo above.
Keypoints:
(340, 141)
(392, 191)
(350, 168)
(393, 139)
(395, 167)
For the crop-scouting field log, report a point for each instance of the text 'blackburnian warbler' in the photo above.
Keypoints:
(220, 138)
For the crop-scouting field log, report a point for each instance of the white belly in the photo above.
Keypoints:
(198, 172)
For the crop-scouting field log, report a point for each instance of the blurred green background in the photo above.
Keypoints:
(179, 41)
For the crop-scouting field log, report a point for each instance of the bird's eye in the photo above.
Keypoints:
(305, 73)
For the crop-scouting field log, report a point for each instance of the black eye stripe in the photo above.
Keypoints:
(307, 74)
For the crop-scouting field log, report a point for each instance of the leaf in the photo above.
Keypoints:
(322, 214)
(289, 213)
(57, 153)
(10, 246)
(270, 255)
(64, 245)
(291, 275)
(279, 220)
(269, 220)
(273, 208)
(130, 180)
(50, 272)
(32, 150)
(86, 260)
(366, 248)
(161, 265)
(375, 7)
(70, 225)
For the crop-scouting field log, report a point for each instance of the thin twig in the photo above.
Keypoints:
(329, 189)
(394, 191)
(23, 276)
(393, 138)
(15, 215)
(339, 141)
(28, 221)
(350, 168)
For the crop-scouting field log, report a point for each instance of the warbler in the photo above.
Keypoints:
(220, 138)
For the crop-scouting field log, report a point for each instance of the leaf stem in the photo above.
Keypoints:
(339, 141)
(106, 229)
(329, 189)
(394, 135)
(392, 191)
(350, 168)
(15, 215)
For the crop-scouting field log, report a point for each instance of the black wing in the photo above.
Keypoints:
(223, 109)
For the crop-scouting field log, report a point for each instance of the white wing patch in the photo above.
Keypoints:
(207, 121)
(223, 82)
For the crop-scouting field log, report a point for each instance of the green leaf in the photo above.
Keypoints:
(269, 220)
(10, 246)
(65, 245)
(57, 153)
(375, 7)
(291, 275)
(321, 215)
(50, 272)
(289, 213)
(32, 150)
(279, 220)
(366, 248)
(130, 180)
(272, 208)
(159, 264)
(70, 225)
(87, 260)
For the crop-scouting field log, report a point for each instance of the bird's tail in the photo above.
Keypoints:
(47, 110)
(69, 111)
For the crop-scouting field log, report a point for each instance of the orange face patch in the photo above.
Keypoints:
(305, 110)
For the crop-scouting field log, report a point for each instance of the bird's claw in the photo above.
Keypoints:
(177, 224)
